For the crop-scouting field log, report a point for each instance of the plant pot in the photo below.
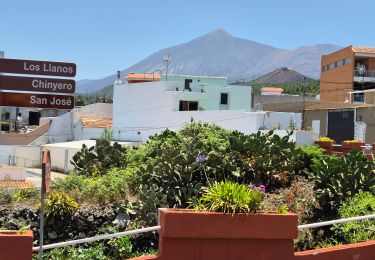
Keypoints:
(347, 147)
(188, 234)
(327, 145)
(16, 245)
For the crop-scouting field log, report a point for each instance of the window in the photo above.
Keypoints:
(187, 84)
(339, 63)
(224, 99)
(358, 97)
(330, 66)
(323, 68)
(347, 61)
(7, 115)
(188, 105)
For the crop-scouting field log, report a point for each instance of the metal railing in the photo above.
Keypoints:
(367, 73)
(157, 228)
(96, 238)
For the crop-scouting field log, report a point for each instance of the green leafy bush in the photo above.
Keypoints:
(95, 252)
(340, 178)
(121, 248)
(356, 231)
(58, 206)
(108, 188)
(98, 159)
(26, 194)
(176, 166)
(229, 197)
(6, 195)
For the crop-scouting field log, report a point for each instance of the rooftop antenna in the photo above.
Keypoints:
(118, 78)
(166, 61)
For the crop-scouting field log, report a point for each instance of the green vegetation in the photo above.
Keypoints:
(312, 88)
(208, 168)
(58, 206)
(229, 197)
(98, 159)
(356, 231)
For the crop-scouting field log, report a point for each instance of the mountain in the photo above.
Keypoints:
(220, 54)
(282, 75)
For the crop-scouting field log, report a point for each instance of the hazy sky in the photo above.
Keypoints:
(104, 36)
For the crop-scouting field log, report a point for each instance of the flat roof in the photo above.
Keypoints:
(88, 143)
(363, 49)
(88, 122)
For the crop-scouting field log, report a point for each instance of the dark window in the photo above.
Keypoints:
(7, 115)
(188, 105)
(224, 99)
(358, 97)
(323, 68)
(187, 84)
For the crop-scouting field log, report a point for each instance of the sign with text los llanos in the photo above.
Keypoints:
(50, 90)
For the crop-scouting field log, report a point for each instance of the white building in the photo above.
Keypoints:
(146, 108)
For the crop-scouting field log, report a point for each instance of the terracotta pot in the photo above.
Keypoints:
(16, 245)
(347, 147)
(327, 145)
(205, 235)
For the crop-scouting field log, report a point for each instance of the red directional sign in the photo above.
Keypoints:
(35, 67)
(36, 100)
(35, 84)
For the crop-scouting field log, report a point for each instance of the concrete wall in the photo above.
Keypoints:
(143, 109)
(367, 115)
(68, 127)
(60, 158)
(301, 138)
(23, 139)
(20, 155)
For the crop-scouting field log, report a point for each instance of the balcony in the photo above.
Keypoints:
(366, 73)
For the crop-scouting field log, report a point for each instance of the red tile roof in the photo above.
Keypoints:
(19, 184)
(96, 122)
(363, 49)
(271, 89)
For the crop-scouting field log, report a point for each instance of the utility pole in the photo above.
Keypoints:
(303, 104)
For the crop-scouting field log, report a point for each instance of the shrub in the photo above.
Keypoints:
(98, 159)
(95, 252)
(109, 188)
(299, 198)
(121, 248)
(58, 206)
(308, 155)
(6, 195)
(340, 178)
(229, 197)
(26, 194)
(176, 166)
(356, 231)
(326, 139)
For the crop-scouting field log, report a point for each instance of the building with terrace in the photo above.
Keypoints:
(348, 75)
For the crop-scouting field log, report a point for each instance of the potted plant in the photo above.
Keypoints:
(224, 224)
(349, 145)
(326, 143)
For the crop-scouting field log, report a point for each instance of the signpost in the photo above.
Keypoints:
(36, 67)
(35, 84)
(19, 91)
(46, 177)
(36, 100)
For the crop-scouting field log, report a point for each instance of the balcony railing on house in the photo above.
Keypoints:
(367, 73)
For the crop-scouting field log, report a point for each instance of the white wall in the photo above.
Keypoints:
(68, 127)
(299, 137)
(20, 155)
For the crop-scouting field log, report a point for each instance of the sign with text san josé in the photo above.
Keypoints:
(36, 100)
(35, 84)
(35, 67)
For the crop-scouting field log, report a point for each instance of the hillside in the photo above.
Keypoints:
(282, 75)
(220, 54)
